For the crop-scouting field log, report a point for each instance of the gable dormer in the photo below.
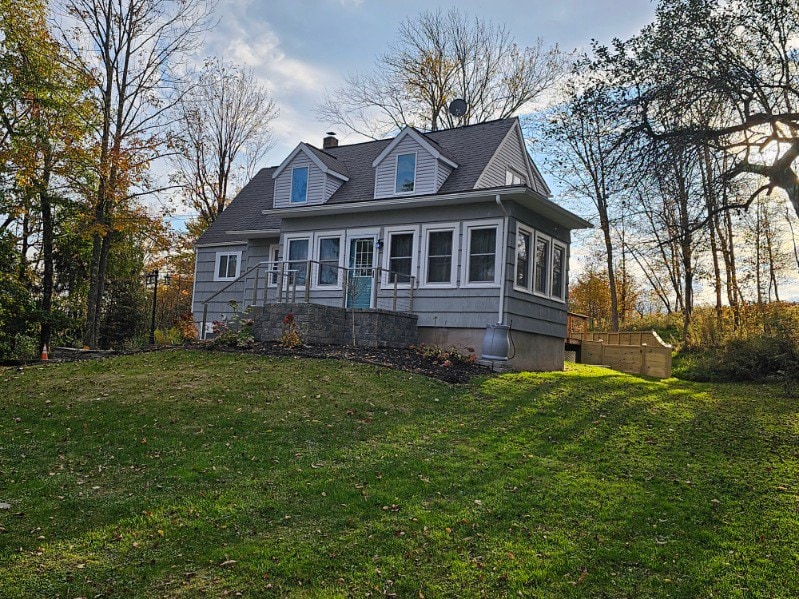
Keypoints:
(411, 165)
(512, 165)
(307, 177)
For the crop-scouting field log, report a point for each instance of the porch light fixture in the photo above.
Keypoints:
(379, 245)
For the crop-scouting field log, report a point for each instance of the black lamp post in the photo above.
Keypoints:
(152, 279)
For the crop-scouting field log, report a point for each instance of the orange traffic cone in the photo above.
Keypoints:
(44, 352)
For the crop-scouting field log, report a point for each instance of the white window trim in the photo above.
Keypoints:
(513, 171)
(530, 258)
(467, 234)
(557, 244)
(415, 171)
(453, 277)
(287, 239)
(548, 239)
(218, 258)
(317, 246)
(386, 262)
(291, 185)
(272, 258)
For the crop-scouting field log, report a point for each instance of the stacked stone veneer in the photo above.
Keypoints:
(329, 325)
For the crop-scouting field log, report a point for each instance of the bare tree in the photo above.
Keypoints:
(584, 155)
(436, 58)
(131, 51)
(223, 132)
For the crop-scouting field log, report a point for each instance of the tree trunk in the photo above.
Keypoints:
(46, 209)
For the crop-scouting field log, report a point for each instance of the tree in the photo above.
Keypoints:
(436, 58)
(130, 50)
(223, 131)
(586, 158)
(44, 113)
(724, 75)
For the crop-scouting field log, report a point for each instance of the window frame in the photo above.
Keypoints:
(317, 248)
(467, 253)
(388, 233)
(415, 171)
(455, 228)
(217, 260)
(548, 240)
(287, 241)
(291, 185)
(510, 173)
(520, 228)
(273, 254)
(565, 270)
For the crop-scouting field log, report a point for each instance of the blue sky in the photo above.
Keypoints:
(301, 48)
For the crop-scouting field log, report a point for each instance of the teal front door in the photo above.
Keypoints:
(359, 283)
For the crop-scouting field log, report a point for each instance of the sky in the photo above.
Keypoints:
(301, 48)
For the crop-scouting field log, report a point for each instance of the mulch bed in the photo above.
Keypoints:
(408, 360)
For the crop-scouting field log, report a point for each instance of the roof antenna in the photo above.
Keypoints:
(457, 107)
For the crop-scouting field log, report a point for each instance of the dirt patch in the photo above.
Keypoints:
(408, 360)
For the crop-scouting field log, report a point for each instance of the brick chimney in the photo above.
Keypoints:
(330, 141)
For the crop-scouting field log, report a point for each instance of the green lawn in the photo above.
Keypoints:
(183, 473)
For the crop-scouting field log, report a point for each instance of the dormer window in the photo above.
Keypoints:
(299, 185)
(406, 173)
(513, 178)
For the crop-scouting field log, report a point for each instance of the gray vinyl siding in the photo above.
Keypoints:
(205, 286)
(316, 183)
(525, 311)
(331, 185)
(508, 155)
(444, 171)
(426, 170)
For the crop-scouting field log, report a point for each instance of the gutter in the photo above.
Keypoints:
(503, 275)
(520, 194)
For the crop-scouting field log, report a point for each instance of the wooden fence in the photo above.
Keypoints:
(635, 352)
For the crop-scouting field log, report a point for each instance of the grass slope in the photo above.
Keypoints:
(182, 473)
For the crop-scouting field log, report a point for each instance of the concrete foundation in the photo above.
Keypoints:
(538, 353)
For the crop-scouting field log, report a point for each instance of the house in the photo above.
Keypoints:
(453, 226)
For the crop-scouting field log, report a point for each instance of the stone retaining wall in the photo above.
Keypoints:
(329, 325)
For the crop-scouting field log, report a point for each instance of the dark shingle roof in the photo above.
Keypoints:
(471, 148)
(244, 213)
(329, 161)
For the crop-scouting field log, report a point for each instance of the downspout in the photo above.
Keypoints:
(504, 263)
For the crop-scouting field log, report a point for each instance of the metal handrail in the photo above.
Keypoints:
(288, 279)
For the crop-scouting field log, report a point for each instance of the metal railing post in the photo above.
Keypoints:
(293, 286)
(344, 288)
(410, 299)
(255, 286)
(308, 281)
(281, 282)
(375, 283)
(394, 306)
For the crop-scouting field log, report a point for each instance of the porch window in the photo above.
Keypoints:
(482, 255)
(329, 252)
(439, 256)
(227, 266)
(406, 173)
(400, 260)
(298, 260)
(542, 249)
(558, 271)
(523, 247)
(299, 185)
